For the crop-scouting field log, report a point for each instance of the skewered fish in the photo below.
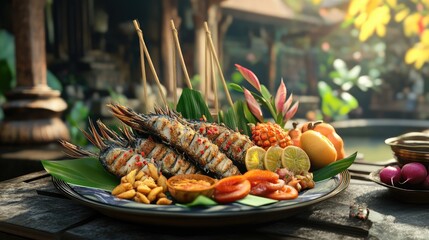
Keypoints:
(120, 155)
(232, 143)
(180, 136)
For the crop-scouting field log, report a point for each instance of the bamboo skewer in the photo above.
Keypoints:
(213, 51)
(152, 68)
(216, 100)
(142, 66)
(174, 77)
(206, 70)
(182, 60)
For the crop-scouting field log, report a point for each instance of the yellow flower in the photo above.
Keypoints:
(419, 53)
(411, 24)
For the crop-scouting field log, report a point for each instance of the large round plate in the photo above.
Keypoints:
(402, 194)
(219, 215)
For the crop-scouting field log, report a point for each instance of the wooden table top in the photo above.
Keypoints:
(31, 207)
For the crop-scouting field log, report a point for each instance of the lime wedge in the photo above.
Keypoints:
(295, 159)
(254, 158)
(272, 159)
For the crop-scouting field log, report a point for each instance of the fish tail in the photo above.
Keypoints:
(76, 151)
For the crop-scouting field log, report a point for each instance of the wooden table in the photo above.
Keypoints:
(31, 207)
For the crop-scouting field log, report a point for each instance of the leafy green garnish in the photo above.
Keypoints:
(192, 105)
(199, 201)
(236, 118)
(256, 201)
(86, 172)
(334, 168)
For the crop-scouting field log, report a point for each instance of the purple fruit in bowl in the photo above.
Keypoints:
(413, 173)
(390, 175)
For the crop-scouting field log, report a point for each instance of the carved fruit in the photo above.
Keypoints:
(270, 134)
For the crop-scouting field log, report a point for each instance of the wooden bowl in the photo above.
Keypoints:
(185, 188)
(410, 147)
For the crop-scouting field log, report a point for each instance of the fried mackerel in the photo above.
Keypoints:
(232, 143)
(120, 155)
(171, 130)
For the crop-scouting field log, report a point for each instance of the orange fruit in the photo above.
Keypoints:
(319, 149)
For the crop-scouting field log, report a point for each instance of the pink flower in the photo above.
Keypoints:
(280, 97)
(253, 105)
(249, 76)
(291, 112)
(287, 104)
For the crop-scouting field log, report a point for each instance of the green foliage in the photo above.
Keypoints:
(76, 120)
(237, 78)
(238, 118)
(334, 168)
(347, 79)
(191, 105)
(86, 172)
(336, 104)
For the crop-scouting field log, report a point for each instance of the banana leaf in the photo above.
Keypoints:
(334, 168)
(192, 105)
(87, 172)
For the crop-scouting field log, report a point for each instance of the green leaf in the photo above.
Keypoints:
(192, 105)
(235, 87)
(199, 201)
(53, 81)
(241, 110)
(334, 168)
(86, 172)
(256, 201)
(266, 93)
(230, 119)
(248, 115)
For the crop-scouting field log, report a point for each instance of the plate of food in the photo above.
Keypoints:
(204, 216)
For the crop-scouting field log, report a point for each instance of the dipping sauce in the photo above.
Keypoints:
(188, 184)
(186, 187)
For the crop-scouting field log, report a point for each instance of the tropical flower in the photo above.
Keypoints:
(280, 106)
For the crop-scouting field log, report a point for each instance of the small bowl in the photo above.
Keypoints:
(185, 188)
(410, 147)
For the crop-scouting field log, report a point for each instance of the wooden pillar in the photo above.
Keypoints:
(32, 110)
(207, 10)
(169, 12)
(272, 59)
(200, 16)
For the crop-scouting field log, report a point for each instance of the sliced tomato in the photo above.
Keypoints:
(286, 193)
(231, 189)
(258, 175)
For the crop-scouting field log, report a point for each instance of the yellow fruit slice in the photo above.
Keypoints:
(295, 159)
(254, 158)
(273, 157)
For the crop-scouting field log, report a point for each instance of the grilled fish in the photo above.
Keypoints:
(170, 129)
(120, 155)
